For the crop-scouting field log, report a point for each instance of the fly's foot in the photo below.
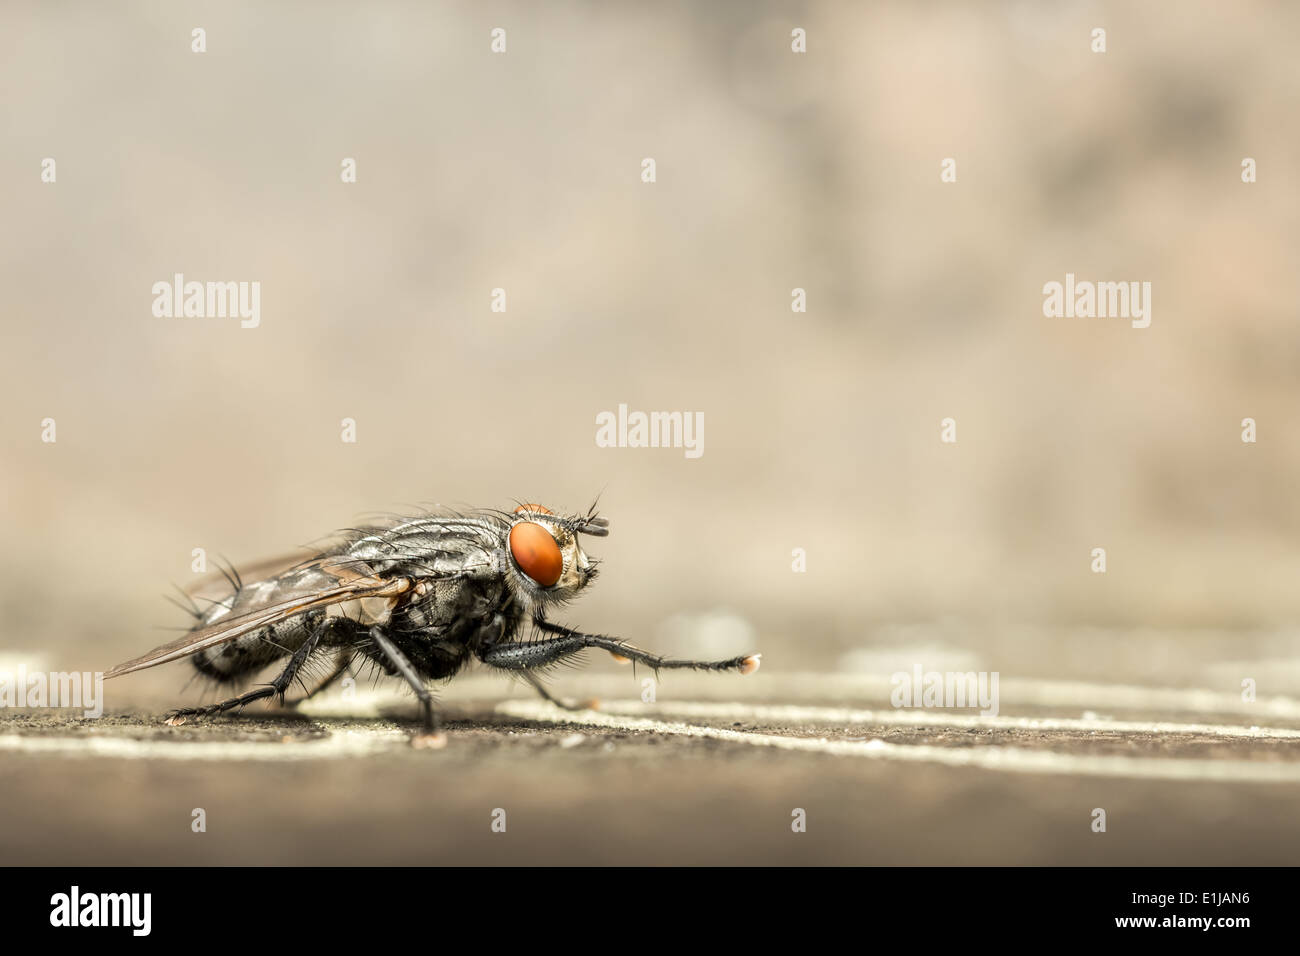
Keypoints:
(429, 741)
(591, 703)
(175, 718)
(564, 703)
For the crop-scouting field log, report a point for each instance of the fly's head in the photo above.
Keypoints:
(547, 562)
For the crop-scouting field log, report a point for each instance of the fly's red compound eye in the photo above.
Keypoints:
(535, 509)
(536, 553)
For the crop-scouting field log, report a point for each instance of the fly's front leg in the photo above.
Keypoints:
(490, 636)
(525, 655)
(541, 688)
(432, 737)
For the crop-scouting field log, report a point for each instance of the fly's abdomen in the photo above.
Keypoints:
(249, 653)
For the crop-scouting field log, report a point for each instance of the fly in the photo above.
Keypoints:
(418, 597)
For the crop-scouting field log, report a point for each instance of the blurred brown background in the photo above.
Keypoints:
(775, 171)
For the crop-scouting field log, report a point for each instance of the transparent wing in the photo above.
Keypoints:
(231, 627)
(217, 584)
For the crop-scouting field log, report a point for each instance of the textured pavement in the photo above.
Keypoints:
(698, 778)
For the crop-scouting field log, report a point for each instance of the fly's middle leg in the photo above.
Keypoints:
(431, 738)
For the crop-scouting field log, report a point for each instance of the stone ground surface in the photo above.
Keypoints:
(697, 779)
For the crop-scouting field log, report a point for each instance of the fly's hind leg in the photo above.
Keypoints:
(341, 667)
(276, 688)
